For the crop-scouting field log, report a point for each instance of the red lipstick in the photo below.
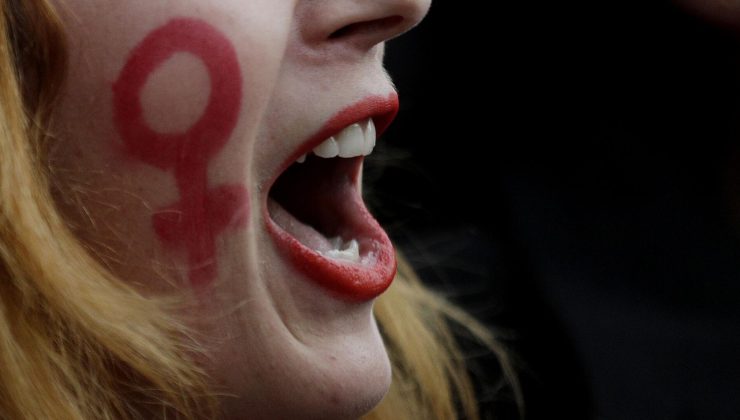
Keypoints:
(373, 274)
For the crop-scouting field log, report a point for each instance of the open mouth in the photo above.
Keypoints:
(320, 222)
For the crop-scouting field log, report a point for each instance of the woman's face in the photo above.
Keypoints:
(174, 134)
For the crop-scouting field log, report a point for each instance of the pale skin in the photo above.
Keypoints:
(279, 345)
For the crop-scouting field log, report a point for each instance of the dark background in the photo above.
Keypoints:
(570, 173)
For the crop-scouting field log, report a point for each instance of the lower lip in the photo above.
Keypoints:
(355, 281)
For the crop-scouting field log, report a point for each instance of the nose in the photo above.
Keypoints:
(359, 24)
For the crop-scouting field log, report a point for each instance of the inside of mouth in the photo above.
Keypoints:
(310, 201)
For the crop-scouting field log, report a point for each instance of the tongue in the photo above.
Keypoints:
(306, 234)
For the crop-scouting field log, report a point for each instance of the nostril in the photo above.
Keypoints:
(371, 27)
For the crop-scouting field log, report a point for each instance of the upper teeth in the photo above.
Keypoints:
(356, 140)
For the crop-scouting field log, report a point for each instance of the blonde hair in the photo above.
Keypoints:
(429, 369)
(78, 343)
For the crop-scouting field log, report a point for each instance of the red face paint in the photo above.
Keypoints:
(202, 213)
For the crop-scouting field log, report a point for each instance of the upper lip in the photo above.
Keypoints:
(382, 109)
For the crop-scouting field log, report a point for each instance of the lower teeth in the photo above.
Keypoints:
(346, 251)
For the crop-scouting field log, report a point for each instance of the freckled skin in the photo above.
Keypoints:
(152, 162)
(202, 212)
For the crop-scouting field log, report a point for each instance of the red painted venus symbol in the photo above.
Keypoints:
(203, 212)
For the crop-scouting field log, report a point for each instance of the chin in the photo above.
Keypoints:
(337, 377)
(351, 392)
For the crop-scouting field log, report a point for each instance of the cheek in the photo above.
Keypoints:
(152, 153)
(193, 223)
(154, 132)
(176, 94)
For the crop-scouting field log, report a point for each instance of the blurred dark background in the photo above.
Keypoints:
(569, 172)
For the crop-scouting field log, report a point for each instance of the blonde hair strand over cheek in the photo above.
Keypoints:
(75, 342)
